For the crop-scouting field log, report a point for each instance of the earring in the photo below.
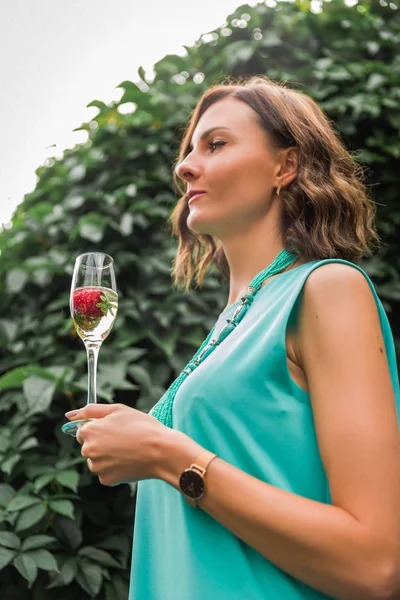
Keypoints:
(278, 189)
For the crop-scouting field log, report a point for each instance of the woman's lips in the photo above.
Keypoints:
(195, 196)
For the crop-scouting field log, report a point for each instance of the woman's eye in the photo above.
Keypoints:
(215, 145)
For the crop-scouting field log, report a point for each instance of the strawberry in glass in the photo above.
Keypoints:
(93, 311)
(94, 306)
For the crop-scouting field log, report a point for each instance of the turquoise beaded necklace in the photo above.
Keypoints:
(163, 409)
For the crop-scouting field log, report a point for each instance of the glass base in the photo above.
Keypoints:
(71, 428)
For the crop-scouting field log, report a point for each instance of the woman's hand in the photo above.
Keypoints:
(122, 444)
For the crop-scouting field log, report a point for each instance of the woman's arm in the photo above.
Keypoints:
(350, 550)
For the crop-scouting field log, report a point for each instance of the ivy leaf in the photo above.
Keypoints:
(16, 377)
(42, 481)
(37, 541)
(116, 589)
(91, 227)
(6, 556)
(89, 577)
(43, 559)
(68, 479)
(62, 507)
(30, 442)
(39, 393)
(68, 531)
(5, 439)
(9, 540)
(116, 543)
(9, 462)
(21, 501)
(142, 377)
(30, 516)
(166, 340)
(99, 556)
(66, 574)
(142, 74)
(27, 567)
(16, 280)
(7, 493)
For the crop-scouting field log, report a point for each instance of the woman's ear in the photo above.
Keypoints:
(289, 166)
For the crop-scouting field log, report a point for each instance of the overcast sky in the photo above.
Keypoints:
(58, 55)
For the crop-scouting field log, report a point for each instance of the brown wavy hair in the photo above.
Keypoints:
(326, 211)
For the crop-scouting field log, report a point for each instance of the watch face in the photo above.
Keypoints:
(192, 484)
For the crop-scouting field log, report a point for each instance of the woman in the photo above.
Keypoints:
(291, 411)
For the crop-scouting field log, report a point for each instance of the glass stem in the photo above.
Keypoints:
(92, 351)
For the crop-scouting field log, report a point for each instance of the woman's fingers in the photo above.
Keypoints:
(80, 431)
(92, 411)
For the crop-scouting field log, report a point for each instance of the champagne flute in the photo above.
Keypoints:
(94, 306)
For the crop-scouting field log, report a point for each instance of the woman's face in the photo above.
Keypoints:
(234, 165)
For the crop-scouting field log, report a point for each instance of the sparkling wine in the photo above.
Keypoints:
(94, 306)
(93, 311)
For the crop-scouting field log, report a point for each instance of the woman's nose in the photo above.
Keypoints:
(187, 170)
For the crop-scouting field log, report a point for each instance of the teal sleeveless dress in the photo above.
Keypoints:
(242, 404)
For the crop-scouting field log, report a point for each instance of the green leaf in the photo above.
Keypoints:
(89, 577)
(126, 225)
(114, 375)
(97, 104)
(42, 481)
(270, 38)
(91, 227)
(16, 280)
(116, 589)
(142, 377)
(68, 532)
(5, 440)
(66, 462)
(62, 507)
(165, 340)
(39, 393)
(99, 556)
(142, 74)
(66, 574)
(43, 559)
(40, 210)
(30, 516)
(30, 442)
(7, 493)
(16, 377)
(37, 541)
(116, 542)
(9, 462)
(9, 540)
(10, 328)
(74, 201)
(27, 568)
(91, 232)
(22, 501)
(68, 479)
(6, 556)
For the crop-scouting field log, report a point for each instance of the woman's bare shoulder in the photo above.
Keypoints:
(332, 282)
(337, 301)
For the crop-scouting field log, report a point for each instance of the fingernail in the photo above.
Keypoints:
(71, 413)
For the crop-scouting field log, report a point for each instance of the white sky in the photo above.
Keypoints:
(58, 55)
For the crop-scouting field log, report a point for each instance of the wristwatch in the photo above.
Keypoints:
(191, 482)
